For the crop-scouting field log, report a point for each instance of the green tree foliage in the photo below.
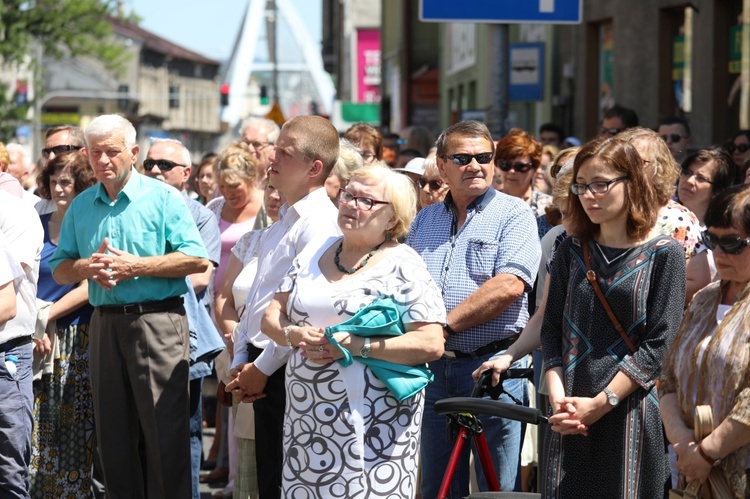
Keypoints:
(60, 28)
(75, 27)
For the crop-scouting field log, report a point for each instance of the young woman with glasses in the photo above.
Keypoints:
(605, 424)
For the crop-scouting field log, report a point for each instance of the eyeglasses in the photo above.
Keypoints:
(257, 145)
(743, 148)
(685, 172)
(434, 185)
(594, 187)
(367, 157)
(464, 159)
(609, 131)
(729, 245)
(362, 203)
(519, 167)
(672, 137)
(59, 150)
(163, 164)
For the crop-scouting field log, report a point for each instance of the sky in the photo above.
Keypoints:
(209, 28)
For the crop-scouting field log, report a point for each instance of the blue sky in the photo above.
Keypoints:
(209, 28)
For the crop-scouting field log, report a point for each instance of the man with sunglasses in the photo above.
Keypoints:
(676, 133)
(616, 119)
(169, 160)
(134, 240)
(481, 248)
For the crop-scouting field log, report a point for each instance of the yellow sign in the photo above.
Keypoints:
(60, 119)
(276, 115)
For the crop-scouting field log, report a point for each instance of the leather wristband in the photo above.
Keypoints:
(449, 330)
(707, 458)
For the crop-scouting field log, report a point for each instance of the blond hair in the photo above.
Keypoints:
(399, 192)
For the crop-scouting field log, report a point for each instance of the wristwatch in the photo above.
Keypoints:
(612, 398)
(365, 351)
(707, 458)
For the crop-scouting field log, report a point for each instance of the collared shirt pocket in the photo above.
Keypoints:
(480, 259)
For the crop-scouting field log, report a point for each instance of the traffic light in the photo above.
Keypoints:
(224, 90)
(263, 95)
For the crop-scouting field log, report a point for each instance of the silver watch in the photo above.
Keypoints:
(612, 398)
(365, 351)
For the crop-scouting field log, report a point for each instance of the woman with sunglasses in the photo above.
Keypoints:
(518, 156)
(345, 433)
(739, 147)
(708, 362)
(605, 424)
(432, 188)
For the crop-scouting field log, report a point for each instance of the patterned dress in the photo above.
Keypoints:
(63, 437)
(624, 454)
(345, 435)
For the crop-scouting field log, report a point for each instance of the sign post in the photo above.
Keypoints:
(502, 11)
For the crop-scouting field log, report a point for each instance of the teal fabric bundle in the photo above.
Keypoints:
(381, 318)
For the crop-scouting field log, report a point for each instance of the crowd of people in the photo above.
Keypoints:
(338, 285)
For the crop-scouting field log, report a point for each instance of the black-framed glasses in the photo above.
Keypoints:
(464, 159)
(609, 131)
(594, 187)
(434, 185)
(164, 164)
(518, 166)
(687, 173)
(362, 203)
(672, 137)
(729, 245)
(57, 150)
(743, 148)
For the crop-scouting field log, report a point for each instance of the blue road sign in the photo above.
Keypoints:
(526, 65)
(502, 11)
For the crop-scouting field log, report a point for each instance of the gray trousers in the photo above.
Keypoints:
(139, 377)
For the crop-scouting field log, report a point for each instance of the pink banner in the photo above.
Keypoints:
(368, 65)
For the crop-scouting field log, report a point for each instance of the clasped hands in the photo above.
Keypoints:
(108, 269)
(690, 463)
(574, 415)
(248, 382)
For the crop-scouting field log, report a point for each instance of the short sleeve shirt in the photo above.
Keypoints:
(148, 218)
(499, 236)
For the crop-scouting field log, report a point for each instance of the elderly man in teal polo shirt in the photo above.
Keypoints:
(133, 238)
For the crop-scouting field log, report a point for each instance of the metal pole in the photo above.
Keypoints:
(497, 114)
(37, 120)
(272, 46)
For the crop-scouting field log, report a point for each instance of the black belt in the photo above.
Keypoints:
(493, 347)
(147, 307)
(15, 342)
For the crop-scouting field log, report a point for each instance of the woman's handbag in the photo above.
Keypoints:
(382, 318)
(717, 487)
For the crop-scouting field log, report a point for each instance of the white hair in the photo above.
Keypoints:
(271, 128)
(112, 124)
(15, 147)
(186, 160)
(350, 160)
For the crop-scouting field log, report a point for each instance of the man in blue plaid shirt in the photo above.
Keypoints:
(482, 249)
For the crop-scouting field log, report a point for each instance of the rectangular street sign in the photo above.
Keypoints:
(526, 61)
(502, 11)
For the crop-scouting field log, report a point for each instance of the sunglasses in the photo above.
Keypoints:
(164, 164)
(464, 159)
(729, 245)
(435, 185)
(58, 150)
(519, 167)
(609, 131)
(672, 137)
(741, 148)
